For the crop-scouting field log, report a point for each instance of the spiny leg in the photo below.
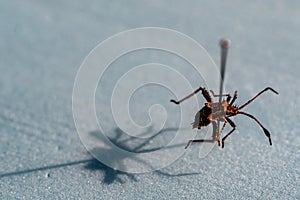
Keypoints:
(233, 129)
(214, 136)
(267, 133)
(204, 93)
(223, 95)
(225, 121)
(235, 96)
(268, 88)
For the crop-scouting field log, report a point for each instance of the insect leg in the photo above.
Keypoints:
(233, 129)
(223, 95)
(267, 133)
(235, 96)
(225, 122)
(216, 135)
(268, 88)
(204, 92)
(206, 95)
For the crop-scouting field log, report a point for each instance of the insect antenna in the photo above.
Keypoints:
(266, 89)
(267, 133)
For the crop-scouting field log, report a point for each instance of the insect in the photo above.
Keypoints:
(214, 112)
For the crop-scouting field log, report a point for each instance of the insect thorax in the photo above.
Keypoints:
(218, 110)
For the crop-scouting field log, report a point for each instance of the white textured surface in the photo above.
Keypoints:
(42, 45)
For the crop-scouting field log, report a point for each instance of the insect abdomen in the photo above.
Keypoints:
(202, 117)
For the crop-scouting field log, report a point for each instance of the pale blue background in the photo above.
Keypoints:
(42, 45)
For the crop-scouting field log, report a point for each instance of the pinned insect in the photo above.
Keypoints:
(214, 112)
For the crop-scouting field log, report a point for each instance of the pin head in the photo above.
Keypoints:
(225, 43)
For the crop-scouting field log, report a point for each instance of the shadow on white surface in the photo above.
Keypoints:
(110, 175)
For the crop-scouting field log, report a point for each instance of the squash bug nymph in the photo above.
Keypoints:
(214, 112)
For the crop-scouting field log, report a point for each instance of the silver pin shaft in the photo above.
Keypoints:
(224, 44)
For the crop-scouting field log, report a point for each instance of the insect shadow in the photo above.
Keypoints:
(122, 140)
(110, 175)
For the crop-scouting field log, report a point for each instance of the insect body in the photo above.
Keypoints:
(214, 112)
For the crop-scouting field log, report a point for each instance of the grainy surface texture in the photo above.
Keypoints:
(42, 45)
